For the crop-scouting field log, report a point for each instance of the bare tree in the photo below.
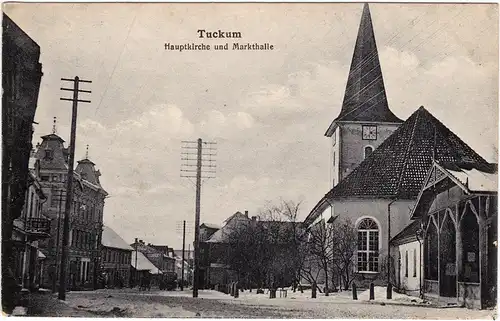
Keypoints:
(320, 251)
(268, 250)
(344, 243)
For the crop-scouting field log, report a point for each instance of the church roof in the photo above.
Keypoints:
(399, 166)
(365, 97)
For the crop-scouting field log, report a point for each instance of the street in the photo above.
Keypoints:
(212, 304)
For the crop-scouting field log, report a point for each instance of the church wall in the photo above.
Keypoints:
(352, 145)
(356, 209)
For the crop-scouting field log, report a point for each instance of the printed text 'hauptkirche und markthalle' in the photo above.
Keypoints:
(217, 42)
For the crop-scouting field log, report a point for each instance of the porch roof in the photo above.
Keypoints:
(471, 180)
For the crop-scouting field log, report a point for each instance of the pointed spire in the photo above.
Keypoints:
(54, 128)
(365, 98)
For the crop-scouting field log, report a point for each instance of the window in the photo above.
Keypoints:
(44, 178)
(334, 138)
(414, 263)
(406, 263)
(368, 151)
(368, 246)
(49, 154)
(333, 158)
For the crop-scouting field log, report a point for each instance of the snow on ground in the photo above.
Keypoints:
(155, 303)
(108, 305)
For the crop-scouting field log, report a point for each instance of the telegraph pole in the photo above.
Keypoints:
(181, 228)
(183, 246)
(200, 169)
(59, 215)
(69, 189)
(136, 278)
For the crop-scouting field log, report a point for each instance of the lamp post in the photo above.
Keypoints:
(389, 285)
(420, 239)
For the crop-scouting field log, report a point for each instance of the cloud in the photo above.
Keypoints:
(218, 125)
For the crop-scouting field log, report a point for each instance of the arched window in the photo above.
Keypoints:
(368, 245)
(368, 151)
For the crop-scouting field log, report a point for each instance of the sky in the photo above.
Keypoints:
(267, 110)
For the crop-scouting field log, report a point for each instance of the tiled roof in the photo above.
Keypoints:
(365, 97)
(111, 239)
(398, 167)
(408, 234)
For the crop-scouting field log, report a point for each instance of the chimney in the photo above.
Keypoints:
(246, 213)
(135, 241)
(254, 218)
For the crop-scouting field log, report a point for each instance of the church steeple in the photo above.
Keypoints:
(365, 98)
(365, 119)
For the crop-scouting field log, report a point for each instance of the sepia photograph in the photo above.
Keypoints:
(250, 160)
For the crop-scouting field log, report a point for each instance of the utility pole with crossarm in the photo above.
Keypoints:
(205, 168)
(69, 189)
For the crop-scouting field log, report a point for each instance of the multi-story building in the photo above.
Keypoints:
(86, 217)
(116, 257)
(21, 77)
(29, 228)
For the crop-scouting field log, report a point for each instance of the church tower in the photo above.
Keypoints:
(365, 119)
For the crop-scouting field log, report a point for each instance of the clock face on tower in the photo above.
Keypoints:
(370, 132)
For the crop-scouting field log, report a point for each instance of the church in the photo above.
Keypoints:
(379, 164)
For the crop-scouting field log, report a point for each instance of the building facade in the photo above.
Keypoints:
(86, 217)
(458, 215)
(21, 77)
(159, 255)
(408, 253)
(29, 228)
(116, 257)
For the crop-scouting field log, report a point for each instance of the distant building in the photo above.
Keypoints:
(188, 264)
(215, 265)
(21, 77)
(457, 212)
(142, 268)
(159, 255)
(116, 257)
(86, 220)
